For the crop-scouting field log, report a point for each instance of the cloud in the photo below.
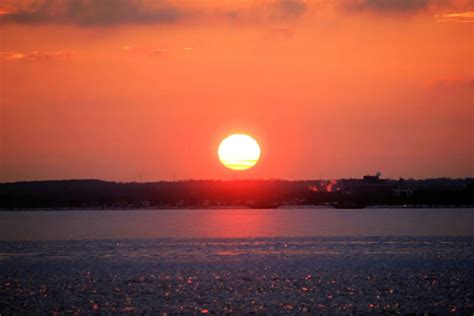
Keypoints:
(16, 56)
(92, 12)
(35, 55)
(402, 8)
(108, 13)
(462, 17)
(291, 7)
(387, 6)
(266, 10)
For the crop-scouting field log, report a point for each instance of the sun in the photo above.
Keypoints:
(239, 152)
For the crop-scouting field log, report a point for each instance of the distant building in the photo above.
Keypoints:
(372, 179)
(371, 185)
(402, 191)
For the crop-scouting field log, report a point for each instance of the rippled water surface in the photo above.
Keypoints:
(238, 261)
(328, 275)
(233, 223)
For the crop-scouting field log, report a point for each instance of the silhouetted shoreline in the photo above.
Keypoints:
(294, 207)
(371, 191)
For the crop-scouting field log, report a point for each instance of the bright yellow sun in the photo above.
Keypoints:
(239, 152)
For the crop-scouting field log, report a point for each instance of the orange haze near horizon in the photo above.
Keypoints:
(328, 89)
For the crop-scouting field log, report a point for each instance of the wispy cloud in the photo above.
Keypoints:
(35, 55)
(412, 7)
(461, 17)
(386, 6)
(108, 13)
(291, 7)
(265, 10)
(15, 56)
(92, 13)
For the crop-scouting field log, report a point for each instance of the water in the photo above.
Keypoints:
(233, 223)
(241, 261)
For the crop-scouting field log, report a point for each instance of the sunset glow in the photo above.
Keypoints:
(141, 89)
(239, 152)
(237, 157)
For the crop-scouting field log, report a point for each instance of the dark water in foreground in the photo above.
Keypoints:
(267, 275)
(237, 262)
(233, 223)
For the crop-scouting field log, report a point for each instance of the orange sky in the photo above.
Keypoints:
(149, 88)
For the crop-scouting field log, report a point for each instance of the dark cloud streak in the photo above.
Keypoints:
(108, 13)
(94, 13)
(291, 7)
(387, 6)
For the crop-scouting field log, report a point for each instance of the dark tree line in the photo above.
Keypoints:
(203, 193)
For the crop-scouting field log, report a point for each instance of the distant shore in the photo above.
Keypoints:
(157, 208)
(370, 191)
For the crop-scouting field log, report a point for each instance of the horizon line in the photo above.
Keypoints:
(231, 180)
